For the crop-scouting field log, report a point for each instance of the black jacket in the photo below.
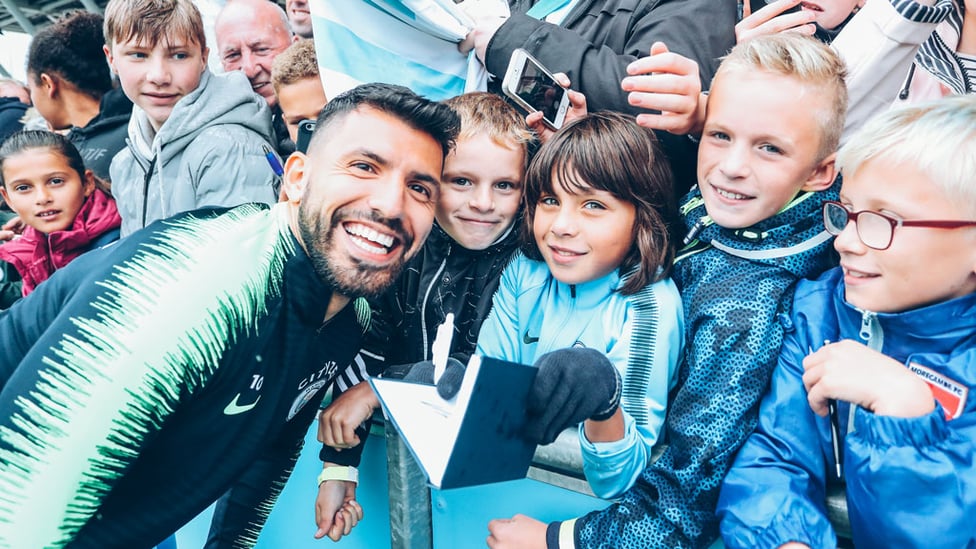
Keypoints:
(10, 283)
(11, 111)
(105, 134)
(599, 38)
(173, 401)
(443, 278)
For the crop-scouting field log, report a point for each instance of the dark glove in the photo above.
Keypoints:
(571, 385)
(450, 382)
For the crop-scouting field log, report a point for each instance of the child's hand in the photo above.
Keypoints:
(338, 422)
(669, 83)
(577, 109)
(450, 382)
(518, 532)
(771, 20)
(850, 371)
(336, 510)
(13, 227)
(571, 385)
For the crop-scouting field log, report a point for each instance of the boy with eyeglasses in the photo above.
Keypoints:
(890, 337)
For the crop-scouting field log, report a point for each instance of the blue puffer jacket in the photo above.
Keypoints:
(733, 286)
(911, 482)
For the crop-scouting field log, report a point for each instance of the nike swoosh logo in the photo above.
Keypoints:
(528, 340)
(234, 408)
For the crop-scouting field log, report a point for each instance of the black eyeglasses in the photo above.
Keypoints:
(875, 229)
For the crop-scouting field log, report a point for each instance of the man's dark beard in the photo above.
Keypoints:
(361, 279)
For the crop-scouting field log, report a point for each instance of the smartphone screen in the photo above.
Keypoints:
(539, 90)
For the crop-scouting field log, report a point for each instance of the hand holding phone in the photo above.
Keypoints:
(756, 5)
(533, 88)
(775, 16)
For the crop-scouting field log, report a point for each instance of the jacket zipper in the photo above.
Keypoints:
(873, 336)
(423, 308)
(145, 190)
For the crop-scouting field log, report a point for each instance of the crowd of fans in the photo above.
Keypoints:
(751, 247)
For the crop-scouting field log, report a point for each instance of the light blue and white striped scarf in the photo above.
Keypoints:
(408, 42)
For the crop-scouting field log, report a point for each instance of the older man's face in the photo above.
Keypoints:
(249, 38)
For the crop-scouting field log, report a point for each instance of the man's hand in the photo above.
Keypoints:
(577, 109)
(771, 20)
(336, 510)
(487, 17)
(518, 532)
(850, 371)
(669, 83)
(338, 422)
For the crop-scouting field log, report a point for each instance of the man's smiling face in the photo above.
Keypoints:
(371, 182)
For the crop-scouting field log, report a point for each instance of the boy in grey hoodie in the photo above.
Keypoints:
(195, 139)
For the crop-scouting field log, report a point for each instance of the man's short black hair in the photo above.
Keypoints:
(431, 117)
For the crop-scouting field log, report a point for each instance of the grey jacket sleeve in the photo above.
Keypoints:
(228, 167)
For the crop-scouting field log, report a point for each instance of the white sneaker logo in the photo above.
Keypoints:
(234, 408)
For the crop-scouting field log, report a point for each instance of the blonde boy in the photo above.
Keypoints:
(297, 85)
(888, 336)
(765, 163)
(195, 139)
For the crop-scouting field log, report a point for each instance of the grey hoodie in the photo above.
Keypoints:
(209, 152)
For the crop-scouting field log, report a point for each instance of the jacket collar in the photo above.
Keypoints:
(794, 239)
(939, 327)
(441, 241)
(304, 291)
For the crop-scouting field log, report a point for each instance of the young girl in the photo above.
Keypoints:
(43, 179)
(589, 302)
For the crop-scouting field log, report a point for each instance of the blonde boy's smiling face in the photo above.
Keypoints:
(156, 77)
(923, 265)
(481, 191)
(759, 147)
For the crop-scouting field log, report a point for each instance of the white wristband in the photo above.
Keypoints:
(339, 472)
